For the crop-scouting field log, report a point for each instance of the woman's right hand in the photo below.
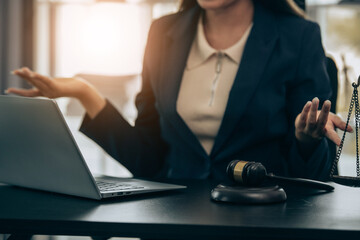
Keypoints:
(75, 87)
(49, 87)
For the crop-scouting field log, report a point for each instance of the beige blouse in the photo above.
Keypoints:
(206, 84)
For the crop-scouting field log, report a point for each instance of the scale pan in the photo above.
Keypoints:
(347, 181)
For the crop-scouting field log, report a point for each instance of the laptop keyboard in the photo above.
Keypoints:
(113, 186)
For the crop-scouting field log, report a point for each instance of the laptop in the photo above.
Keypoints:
(37, 150)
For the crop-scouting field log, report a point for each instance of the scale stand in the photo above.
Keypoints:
(345, 180)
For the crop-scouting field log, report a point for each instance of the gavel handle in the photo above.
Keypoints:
(302, 182)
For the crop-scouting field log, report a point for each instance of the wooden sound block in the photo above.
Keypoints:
(248, 195)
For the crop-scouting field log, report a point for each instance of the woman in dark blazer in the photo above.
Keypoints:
(268, 117)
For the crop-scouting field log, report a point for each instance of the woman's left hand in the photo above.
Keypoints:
(311, 125)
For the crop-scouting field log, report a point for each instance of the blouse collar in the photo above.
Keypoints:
(201, 50)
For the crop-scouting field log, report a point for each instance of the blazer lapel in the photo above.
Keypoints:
(178, 44)
(257, 52)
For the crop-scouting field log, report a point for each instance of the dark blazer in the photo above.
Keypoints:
(283, 67)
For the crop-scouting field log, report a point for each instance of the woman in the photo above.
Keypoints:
(222, 80)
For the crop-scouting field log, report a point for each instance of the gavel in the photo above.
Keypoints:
(253, 174)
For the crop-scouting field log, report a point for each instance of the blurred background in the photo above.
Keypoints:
(103, 41)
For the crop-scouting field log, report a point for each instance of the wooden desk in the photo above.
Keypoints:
(183, 214)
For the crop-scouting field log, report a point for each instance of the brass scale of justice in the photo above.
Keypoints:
(347, 180)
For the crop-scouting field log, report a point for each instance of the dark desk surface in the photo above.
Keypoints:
(183, 213)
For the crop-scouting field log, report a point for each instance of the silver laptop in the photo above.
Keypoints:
(37, 150)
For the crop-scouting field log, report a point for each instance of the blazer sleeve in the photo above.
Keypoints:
(139, 148)
(311, 81)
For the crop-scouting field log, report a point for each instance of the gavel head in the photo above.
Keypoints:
(247, 173)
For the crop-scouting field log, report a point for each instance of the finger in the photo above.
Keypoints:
(23, 72)
(24, 92)
(339, 123)
(31, 78)
(311, 122)
(42, 78)
(17, 71)
(42, 82)
(304, 115)
(323, 117)
(333, 136)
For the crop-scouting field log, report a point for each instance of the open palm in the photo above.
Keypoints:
(48, 87)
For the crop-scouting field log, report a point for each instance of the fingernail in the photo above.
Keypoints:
(315, 99)
(6, 91)
(12, 72)
(307, 105)
(327, 105)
